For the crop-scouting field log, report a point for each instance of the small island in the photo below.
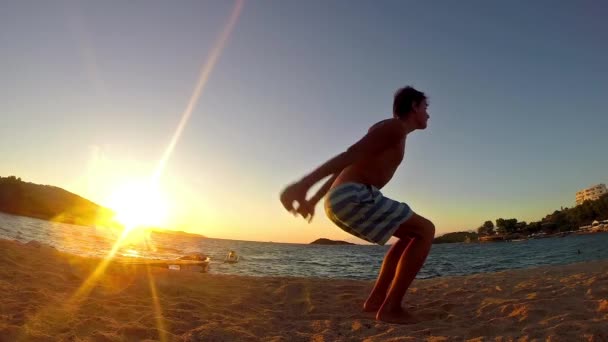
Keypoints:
(174, 233)
(323, 241)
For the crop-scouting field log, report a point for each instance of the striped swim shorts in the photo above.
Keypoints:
(364, 212)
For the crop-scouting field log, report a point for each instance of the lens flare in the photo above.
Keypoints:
(147, 205)
(139, 204)
(200, 85)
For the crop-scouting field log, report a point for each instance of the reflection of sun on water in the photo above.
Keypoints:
(131, 253)
(138, 205)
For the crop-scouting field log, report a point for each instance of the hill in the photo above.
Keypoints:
(175, 233)
(456, 237)
(49, 203)
(324, 241)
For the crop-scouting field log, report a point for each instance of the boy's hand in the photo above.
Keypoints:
(296, 193)
(293, 193)
(307, 210)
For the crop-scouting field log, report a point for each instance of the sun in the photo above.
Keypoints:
(138, 204)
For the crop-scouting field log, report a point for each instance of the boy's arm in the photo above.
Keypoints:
(307, 209)
(323, 190)
(372, 143)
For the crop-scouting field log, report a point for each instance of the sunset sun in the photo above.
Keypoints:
(138, 204)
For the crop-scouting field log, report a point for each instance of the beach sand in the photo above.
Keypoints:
(43, 298)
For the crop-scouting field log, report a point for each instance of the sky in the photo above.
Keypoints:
(262, 92)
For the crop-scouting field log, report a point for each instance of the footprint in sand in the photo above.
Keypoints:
(448, 306)
(296, 299)
(431, 314)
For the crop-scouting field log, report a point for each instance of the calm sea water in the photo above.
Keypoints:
(282, 259)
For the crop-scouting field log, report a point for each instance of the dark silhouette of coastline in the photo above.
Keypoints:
(324, 241)
(50, 203)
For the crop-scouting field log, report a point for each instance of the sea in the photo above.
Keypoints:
(304, 260)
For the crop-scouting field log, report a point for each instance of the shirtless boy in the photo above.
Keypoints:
(355, 204)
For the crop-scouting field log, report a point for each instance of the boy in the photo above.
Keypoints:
(355, 204)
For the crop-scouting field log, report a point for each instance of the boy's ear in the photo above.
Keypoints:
(416, 106)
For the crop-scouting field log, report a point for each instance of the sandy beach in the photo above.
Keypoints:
(49, 295)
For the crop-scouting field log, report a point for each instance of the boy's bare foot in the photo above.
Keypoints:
(395, 315)
(373, 302)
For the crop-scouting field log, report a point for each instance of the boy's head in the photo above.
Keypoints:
(410, 104)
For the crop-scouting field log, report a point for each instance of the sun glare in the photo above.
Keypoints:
(138, 204)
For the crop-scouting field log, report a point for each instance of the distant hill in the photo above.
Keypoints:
(323, 241)
(456, 237)
(174, 233)
(49, 203)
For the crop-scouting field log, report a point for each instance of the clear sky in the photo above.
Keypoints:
(92, 94)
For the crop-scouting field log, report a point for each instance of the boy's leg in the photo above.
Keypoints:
(421, 231)
(386, 275)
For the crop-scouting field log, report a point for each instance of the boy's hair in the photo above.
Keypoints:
(405, 98)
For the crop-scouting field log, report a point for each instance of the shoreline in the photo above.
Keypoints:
(195, 265)
(45, 299)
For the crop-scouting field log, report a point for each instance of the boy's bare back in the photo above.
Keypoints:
(378, 169)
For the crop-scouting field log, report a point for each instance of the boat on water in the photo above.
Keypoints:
(491, 238)
(172, 264)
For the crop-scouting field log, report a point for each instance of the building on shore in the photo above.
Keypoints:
(591, 194)
(595, 226)
(491, 238)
